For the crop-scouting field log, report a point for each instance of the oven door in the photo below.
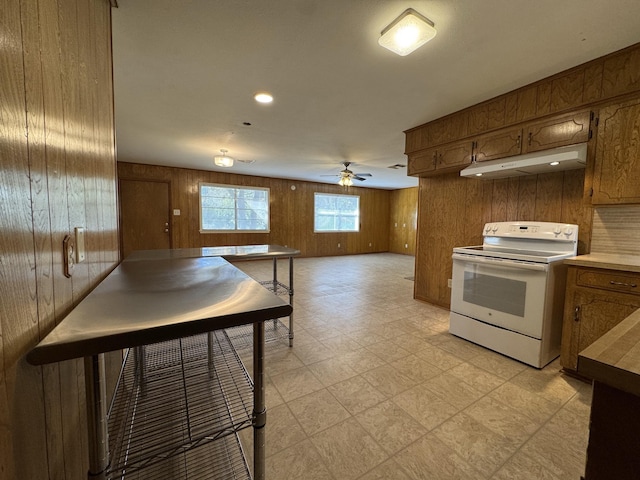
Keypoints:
(506, 293)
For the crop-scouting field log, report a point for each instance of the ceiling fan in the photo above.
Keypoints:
(346, 176)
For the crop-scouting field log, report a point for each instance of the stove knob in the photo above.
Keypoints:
(494, 228)
(487, 228)
(557, 231)
(568, 231)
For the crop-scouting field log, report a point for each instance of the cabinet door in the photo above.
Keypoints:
(454, 156)
(617, 161)
(557, 132)
(422, 162)
(593, 313)
(504, 143)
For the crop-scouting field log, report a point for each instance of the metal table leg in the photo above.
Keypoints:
(259, 409)
(95, 385)
(291, 301)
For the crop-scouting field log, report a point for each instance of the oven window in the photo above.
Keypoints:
(495, 293)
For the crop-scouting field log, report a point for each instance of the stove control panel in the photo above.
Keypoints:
(532, 230)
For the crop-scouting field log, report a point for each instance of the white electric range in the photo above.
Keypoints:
(508, 293)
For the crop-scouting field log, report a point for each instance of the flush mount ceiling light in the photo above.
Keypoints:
(263, 97)
(407, 32)
(223, 160)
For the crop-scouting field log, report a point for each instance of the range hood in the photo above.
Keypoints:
(572, 157)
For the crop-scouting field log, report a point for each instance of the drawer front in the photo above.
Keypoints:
(624, 282)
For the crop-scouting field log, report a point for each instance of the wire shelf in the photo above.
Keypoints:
(241, 337)
(171, 401)
(276, 287)
(220, 460)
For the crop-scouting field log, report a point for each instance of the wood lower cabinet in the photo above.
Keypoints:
(617, 161)
(557, 131)
(596, 300)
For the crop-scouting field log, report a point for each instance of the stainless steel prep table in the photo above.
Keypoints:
(147, 301)
(231, 253)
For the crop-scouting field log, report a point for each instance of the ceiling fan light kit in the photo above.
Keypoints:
(345, 181)
(347, 176)
(223, 160)
(407, 33)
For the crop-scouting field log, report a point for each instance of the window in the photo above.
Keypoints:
(336, 213)
(227, 209)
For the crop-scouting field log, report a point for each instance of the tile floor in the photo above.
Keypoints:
(376, 388)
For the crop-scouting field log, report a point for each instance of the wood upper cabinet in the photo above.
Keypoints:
(596, 301)
(557, 131)
(500, 144)
(454, 156)
(422, 162)
(445, 158)
(616, 177)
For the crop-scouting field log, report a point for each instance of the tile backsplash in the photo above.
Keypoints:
(616, 230)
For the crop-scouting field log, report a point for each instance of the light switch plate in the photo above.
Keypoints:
(80, 250)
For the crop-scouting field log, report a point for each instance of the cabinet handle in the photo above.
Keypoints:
(530, 136)
(576, 314)
(518, 141)
(622, 284)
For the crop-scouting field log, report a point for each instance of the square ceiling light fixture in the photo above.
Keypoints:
(407, 32)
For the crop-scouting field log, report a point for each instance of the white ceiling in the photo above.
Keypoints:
(185, 73)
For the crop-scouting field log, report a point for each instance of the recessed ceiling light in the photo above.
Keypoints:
(553, 164)
(263, 97)
(478, 174)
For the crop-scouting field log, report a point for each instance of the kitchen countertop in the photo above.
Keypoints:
(627, 263)
(614, 359)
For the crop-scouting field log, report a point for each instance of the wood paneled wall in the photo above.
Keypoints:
(404, 220)
(58, 172)
(291, 212)
(453, 210)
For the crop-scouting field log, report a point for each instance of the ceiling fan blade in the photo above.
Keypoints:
(335, 175)
(364, 174)
(359, 178)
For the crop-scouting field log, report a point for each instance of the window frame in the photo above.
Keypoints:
(321, 194)
(236, 188)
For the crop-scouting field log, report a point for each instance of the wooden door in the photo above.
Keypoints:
(144, 215)
(617, 161)
(501, 144)
(557, 132)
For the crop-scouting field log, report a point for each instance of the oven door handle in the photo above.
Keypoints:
(501, 262)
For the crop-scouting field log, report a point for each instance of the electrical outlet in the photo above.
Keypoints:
(449, 283)
(338, 245)
(369, 243)
(406, 245)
